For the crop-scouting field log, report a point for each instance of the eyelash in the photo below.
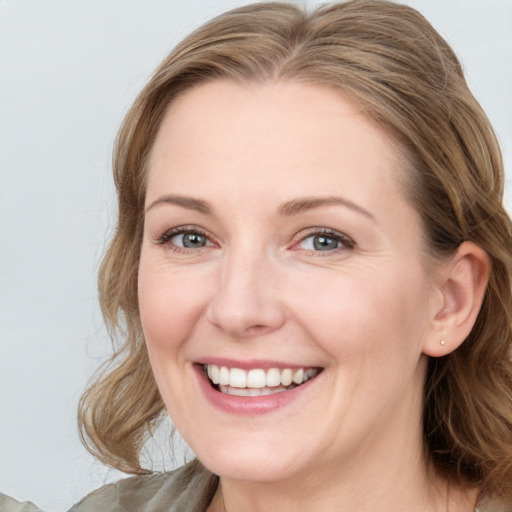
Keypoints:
(346, 242)
(166, 238)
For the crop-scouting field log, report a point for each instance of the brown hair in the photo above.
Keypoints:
(388, 60)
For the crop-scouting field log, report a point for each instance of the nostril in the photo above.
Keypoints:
(257, 329)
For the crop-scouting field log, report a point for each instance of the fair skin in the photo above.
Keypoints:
(277, 237)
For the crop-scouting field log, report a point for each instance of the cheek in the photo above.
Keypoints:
(354, 314)
(170, 304)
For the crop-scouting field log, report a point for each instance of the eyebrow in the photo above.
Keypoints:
(185, 202)
(300, 205)
(290, 208)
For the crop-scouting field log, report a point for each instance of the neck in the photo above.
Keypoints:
(426, 496)
(382, 476)
(386, 489)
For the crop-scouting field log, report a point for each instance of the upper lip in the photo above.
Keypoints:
(251, 364)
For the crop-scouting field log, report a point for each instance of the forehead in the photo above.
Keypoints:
(277, 137)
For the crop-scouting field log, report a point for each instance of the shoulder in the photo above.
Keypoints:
(189, 488)
(8, 504)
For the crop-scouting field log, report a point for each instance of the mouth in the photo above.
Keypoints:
(257, 381)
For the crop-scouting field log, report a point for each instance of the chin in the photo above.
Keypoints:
(247, 468)
(250, 458)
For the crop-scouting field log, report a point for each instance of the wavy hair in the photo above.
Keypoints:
(387, 59)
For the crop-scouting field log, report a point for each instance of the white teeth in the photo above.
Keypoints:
(286, 377)
(238, 391)
(223, 376)
(228, 390)
(273, 377)
(298, 376)
(213, 373)
(308, 374)
(256, 379)
(237, 378)
(257, 382)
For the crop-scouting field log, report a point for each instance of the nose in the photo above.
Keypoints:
(246, 303)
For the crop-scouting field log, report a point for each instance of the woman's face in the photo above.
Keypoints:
(279, 245)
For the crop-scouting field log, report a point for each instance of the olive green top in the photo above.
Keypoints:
(187, 489)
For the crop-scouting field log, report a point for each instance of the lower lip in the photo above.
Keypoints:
(249, 405)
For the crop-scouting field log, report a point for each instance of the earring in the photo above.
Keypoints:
(443, 343)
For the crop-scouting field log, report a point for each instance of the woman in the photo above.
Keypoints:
(311, 273)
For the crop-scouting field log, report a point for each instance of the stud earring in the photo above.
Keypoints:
(443, 343)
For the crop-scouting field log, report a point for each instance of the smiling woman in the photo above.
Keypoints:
(287, 282)
(312, 267)
(311, 273)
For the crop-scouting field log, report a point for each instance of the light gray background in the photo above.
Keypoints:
(69, 70)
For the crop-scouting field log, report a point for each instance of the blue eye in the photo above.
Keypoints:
(325, 242)
(189, 240)
(184, 238)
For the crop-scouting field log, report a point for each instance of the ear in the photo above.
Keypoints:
(461, 283)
